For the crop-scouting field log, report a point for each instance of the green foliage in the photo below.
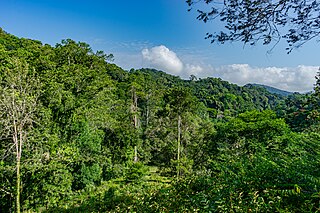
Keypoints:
(108, 140)
(302, 112)
(135, 172)
(250, 132)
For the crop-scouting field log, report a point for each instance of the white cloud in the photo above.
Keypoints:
(298, 79)
(295, 79)
(191, 69)
(160, 57)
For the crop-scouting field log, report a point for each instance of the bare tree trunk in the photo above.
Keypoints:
(178, 144)
(147, 112)
(17, 140)
(135, 154)
(18, 187)
(134, 109)
(19, 137)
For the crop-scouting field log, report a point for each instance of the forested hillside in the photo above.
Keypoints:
(80, 134)
(272, 89)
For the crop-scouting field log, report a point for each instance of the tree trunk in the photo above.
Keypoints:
(17, 140)
(135, 154)
(134, 109)
(147, 112)
(18, 187)
(178, 144)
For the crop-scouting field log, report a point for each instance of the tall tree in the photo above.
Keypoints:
(134, 111)
(251, 21)
(179, 101)
(18, 104)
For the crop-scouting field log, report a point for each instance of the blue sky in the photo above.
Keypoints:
(159, 34)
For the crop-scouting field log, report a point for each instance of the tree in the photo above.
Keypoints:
(18, 104)
(252, 21)
(135, 111)
(79, 94)
(179, 102)
(317, 85)
(249, 131)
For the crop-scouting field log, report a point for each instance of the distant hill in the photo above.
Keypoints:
(271, 89)
(217, 95)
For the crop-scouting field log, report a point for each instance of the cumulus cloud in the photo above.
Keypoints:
(160, 57)
(297, 79)
(191, 69)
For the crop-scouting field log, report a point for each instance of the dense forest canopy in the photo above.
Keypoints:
(80, 134)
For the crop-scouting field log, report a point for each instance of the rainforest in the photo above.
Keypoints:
(80, 134)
